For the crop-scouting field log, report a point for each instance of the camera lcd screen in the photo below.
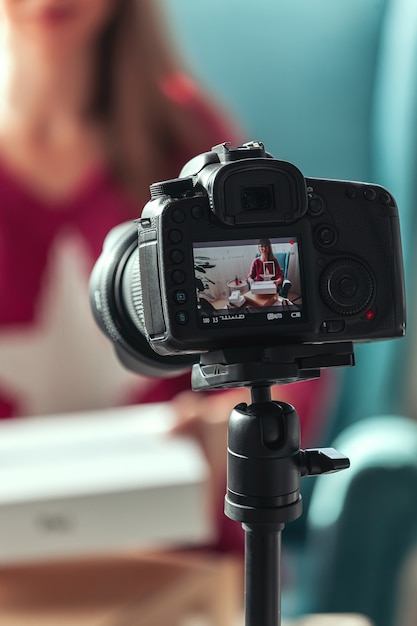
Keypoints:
(248, 281)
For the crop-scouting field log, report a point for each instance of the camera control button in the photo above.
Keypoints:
(181, 317)
(326, 236)
(315, 205)
(197, 212)
(351, 192)
(178, 277)
(175, 235)
(333, 326)
(386, 198)
(180, 296)
(178, 216)
(176, 256)
(347, 286)
(369, 193)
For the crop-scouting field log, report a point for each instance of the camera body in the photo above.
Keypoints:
(207, 282)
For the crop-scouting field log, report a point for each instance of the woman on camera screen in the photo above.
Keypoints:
(265, 266)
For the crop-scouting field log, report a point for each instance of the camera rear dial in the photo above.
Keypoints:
(346, 286)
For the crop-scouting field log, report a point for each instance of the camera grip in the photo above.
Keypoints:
(152, 301)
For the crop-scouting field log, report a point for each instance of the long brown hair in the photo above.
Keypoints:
(144, 126)
(267, 243)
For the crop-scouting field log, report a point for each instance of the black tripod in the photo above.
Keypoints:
(265, 463)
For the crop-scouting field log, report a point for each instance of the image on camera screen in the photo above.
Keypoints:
(256, 280)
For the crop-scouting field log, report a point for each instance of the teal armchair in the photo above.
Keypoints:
(367, 519)
(283, 259)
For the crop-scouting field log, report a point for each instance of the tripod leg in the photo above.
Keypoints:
(262, 574)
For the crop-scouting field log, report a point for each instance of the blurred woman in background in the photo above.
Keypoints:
(94, 106)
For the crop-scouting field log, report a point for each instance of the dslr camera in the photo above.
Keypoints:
(242, 251)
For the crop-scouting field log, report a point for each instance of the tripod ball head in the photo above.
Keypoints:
(265, 463)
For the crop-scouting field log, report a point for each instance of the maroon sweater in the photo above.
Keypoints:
(52, 357)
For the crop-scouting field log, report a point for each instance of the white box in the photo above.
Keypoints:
(263, 287)
(97, 483)
(236, 298)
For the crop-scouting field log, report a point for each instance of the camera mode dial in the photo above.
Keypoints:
(175, 188)
(346, 286)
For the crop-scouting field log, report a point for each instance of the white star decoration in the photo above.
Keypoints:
(62, 362)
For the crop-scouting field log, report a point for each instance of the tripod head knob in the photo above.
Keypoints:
(316, 461)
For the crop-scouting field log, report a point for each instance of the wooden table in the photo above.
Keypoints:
(147, 590)
(156, 589)
(261, 299)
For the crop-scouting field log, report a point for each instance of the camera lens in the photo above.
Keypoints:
(257, 198)
(116, 302)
